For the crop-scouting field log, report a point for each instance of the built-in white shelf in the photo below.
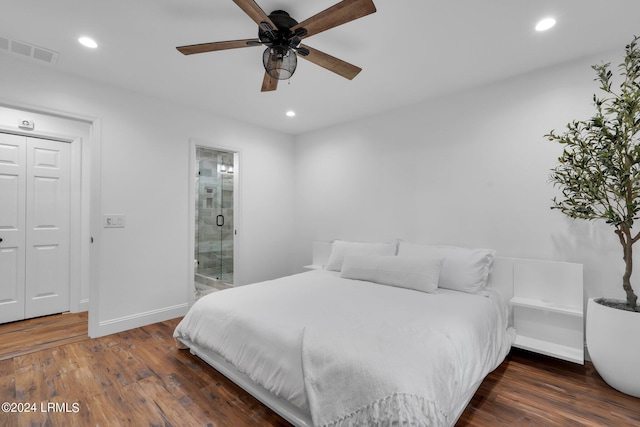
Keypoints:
(564, 352)
(546, 305)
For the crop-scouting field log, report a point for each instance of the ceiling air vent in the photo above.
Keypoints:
(28, 50)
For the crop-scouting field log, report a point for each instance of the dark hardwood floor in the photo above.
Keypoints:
(528, 389)
(139, 378)
(40, 333)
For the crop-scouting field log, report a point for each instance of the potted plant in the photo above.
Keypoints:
(599, 177)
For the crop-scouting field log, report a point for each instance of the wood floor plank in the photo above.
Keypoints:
(41, 333)
(55, 321)
(139, 378)
(534, 390)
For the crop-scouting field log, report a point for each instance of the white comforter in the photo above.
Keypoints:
(353, 352)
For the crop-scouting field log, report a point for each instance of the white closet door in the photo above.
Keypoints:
(47, 227)
(13, 151)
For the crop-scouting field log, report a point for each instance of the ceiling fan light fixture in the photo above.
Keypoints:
(279, 62)
(282, 35)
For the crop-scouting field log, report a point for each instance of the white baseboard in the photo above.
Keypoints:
(112, 326)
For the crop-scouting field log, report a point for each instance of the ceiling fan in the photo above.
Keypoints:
(282, 35)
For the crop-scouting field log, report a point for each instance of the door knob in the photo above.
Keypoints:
(0, 239)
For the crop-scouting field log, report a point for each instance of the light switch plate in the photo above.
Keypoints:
(114, 221)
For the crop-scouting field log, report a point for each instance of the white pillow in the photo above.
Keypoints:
(463, 269)
(420, 274)
(340, 248)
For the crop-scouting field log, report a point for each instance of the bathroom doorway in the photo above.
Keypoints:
(214, 222)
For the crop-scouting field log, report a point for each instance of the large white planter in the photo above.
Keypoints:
(613, 340)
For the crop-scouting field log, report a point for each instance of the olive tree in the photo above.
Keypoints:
(599, 170)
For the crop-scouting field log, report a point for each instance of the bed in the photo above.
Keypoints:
(380, 336)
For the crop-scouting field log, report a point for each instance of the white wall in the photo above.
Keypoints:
(143, 268)
(468, 169)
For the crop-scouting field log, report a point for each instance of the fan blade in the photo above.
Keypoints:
(210, 47)
(338, 14)
(331, 63)
(251, 8)
(269, 83)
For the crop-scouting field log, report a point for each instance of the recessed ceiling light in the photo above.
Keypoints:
(88, 42)
(291, 113)
(545, 24)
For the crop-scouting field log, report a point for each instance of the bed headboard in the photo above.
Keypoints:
(320, 254)
(501, 277)
(553, 282)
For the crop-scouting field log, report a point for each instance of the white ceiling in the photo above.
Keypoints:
(409, 50)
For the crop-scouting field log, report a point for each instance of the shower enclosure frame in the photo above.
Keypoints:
(194, 144)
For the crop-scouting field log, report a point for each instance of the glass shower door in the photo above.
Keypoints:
(214, 222)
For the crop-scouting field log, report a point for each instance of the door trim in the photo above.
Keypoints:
(86, 205)
(237, 211)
